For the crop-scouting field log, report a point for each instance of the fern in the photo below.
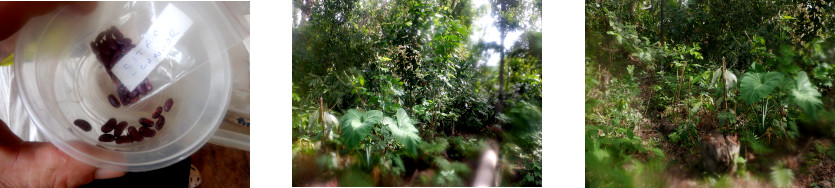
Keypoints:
(358, 125)
(403, 130)
(437, 147)
(831, 152)
(757, 145)
(657, 152)
(781, 176)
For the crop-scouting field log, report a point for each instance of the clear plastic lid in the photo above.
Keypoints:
(60, 80)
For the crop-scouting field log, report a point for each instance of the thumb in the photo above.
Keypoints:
(102, 173)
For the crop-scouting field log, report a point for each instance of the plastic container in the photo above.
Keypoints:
(60, 80)
(234, 130)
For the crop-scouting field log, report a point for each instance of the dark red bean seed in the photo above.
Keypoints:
(107, 138)
(120, 128)
(112, 45)
(168, 104)
(160, 122)
(80, 123)
(123, 139)
(133, 94)
(114, 58)
(124, 99)
(146, 122)
(141, 90)
(100, 37)
(109, 125)
(113, 101)
(149, 87)
(134, 134)
(123, 94)
(107, 53)
(116, 32)
(133, 100)
(109, 36)
(147, 132)
(144, 87)
(123, 41)
(157, 112)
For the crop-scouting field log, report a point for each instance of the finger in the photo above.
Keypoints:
(102, 173)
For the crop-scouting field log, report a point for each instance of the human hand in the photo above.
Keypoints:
(13, 15)
(41, 164)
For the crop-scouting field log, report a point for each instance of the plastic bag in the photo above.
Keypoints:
(144, 47)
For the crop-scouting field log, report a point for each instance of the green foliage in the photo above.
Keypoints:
(394, 164)
(450, 173)
(781, 176)
(326, 162)
(436, 147)
(741, 165)
(464, 148)
(686, 135)
(831, 152)
(722, 181)
(355, 178)
(534, 177)
(303, 145)
(357, 125)
(755, 86)
(679, 53)
(524, 118)
(756, 144)
(403, 131)
(806, 95)
(605, 152)
(414, 62)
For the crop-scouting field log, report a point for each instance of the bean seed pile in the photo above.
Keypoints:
(146, 128)
(110, 46)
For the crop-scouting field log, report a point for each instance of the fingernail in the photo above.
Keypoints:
(107, 173)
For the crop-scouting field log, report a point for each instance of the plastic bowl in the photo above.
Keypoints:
(60, 80)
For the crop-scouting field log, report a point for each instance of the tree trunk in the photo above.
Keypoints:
(661, 26)
(500, 103)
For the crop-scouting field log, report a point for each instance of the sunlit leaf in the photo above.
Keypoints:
(357, 125)
(805, 95)
(730, 78)
(403, 130)
(755, 86)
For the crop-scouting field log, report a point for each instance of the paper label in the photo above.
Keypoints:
(165, 31)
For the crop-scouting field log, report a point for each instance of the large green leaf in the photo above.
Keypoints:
(357, 125)
(755, 86)
(403, 130)
(805, 95)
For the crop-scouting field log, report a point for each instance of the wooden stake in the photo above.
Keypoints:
(724, 84)
(322, 117)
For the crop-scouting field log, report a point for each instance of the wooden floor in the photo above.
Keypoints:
(222, 166)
